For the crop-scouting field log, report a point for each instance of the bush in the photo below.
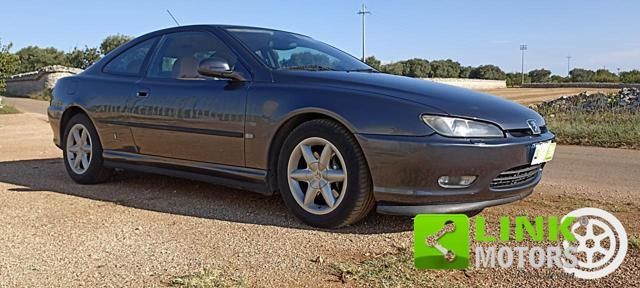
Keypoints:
(44, 95)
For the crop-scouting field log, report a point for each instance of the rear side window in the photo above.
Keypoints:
(130, 61)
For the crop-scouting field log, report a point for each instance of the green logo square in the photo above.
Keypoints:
(441, 241)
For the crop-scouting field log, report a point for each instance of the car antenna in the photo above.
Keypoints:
(174, 18)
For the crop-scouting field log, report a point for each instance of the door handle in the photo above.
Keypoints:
(142, 93)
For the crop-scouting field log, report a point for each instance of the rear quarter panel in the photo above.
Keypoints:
(101, 98)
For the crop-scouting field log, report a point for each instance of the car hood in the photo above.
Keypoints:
(454, 101)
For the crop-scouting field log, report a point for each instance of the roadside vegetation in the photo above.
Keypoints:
(8, 109)
(394, 269)
(43, 95)
(423, 68)
(209, 279)
(604, 120)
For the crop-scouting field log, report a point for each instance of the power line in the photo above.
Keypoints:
(364, 13)
(568, 65)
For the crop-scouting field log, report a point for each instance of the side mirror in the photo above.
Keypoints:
(219, 68)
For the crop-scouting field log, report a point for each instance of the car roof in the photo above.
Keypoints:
(209, 26)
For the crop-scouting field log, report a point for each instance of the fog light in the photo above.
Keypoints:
(456, 181)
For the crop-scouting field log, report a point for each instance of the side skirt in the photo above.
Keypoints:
(254, 180)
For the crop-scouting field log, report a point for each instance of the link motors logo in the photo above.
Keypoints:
(602, 239)
(588, 243)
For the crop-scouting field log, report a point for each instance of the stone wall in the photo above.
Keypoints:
(582, 85)
(476, 84)
(31, 82)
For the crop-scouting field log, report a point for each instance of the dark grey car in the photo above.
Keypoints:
(272, 111)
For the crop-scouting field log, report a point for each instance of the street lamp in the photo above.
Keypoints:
(363, 12)
(523, 47)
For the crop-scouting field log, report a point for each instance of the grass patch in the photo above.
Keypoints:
(208, 279)
(388, 270)
(603, 129)
(43, 95)
(8, 109)
(634, 243)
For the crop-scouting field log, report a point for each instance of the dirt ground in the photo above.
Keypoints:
(536, 95)
(143, 230)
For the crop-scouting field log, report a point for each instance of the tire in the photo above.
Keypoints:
(353, 196)
(94, 172)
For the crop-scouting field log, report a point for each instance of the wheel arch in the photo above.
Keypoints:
(285, 128)
(68, 113)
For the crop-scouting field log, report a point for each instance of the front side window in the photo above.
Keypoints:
(130, 61)
(180, 55)
(284, 50)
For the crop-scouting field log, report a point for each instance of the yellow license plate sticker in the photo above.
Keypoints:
(543, 152)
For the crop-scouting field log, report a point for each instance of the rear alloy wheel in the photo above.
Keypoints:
(79, 148)
(83, 152)
(323, 177)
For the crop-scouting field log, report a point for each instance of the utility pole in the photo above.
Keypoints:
(364, 13)
(523, 47)
(568, 65)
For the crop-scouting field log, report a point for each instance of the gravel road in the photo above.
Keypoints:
(143, 230)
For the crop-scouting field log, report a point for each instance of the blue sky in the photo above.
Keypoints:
(595, 33)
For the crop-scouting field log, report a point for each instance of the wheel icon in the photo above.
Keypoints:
(601, 238)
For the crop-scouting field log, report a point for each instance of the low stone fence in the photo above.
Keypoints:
(31, 82)
(582, 85)
(476, 84)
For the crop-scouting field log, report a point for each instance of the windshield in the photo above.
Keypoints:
(289, 51)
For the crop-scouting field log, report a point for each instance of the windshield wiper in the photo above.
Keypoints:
(310, 67)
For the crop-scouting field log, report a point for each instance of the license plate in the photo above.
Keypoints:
(543, 152)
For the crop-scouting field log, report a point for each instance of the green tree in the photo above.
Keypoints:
(605, 76)
(444, 69)
(82, 58)
(581, 75)
(632, 76)
(417, 68)
(373, 62)
(113, 42)
(465, 71)
(8, 64)
(396, 68)
(515, 79)
(558, 79)
(490, 72)
(540, 75)
(33, 58)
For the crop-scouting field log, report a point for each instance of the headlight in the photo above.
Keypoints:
(458, 127)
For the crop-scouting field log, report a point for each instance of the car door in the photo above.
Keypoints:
(180, 114)
(113, 92)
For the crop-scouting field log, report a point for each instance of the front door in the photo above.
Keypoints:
(181, 115)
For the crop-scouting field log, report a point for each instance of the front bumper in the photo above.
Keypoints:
(405, 171)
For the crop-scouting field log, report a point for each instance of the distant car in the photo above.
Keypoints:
(273, 111)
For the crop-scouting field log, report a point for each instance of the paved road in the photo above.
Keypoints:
(27, 105)
(141, 230)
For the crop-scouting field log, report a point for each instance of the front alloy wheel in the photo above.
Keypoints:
(317, 175)
(322, 175)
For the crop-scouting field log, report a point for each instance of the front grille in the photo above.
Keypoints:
(525, 132)
(516, 176)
